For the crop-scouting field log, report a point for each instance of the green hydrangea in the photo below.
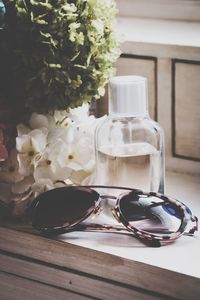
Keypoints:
(56, 54)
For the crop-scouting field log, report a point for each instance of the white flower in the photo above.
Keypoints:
(57, 134)
(30, 147)
(61, 119)
(22, 129)
(38, 121)
(49, 122)
(78, 177)
(49, 167)
(89, 127)
(42, 185)
(79, 114)
(55, 148)
(84, 123)
(78, 156)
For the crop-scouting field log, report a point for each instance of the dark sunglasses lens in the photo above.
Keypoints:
(150, 213)
(62, 207)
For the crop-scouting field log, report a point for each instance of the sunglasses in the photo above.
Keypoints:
(153, 218)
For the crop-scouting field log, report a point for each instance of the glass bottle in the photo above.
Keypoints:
(129, 144)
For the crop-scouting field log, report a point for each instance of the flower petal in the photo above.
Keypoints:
(77, 177)
(22, 129)
(38, 139)
(23, 143)
(38, 121)
(44, 172)
(42, 185)
(79, 114)
(25, 166)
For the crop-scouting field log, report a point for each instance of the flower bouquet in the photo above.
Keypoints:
(54, 57)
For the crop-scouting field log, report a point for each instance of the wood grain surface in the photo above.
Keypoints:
(92, 273)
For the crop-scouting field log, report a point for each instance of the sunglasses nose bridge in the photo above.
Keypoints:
(116, 215)
(97, 210)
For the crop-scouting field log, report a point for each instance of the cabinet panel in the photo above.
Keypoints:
(59, 278)
(16, 288)
(186, 109)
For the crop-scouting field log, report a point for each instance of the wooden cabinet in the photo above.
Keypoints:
(89, 265)
(34, 267)
(186, 109)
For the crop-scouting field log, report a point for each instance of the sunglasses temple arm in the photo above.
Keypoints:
(99, 227)
(114, 229)
(87, 227)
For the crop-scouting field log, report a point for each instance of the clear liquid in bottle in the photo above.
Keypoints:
(136, 165)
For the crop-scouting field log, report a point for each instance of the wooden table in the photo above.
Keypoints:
(85, 265)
